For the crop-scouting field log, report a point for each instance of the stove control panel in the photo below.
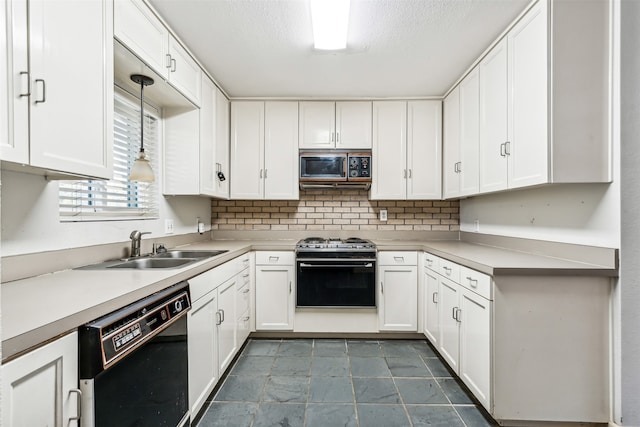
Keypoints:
(359, 166)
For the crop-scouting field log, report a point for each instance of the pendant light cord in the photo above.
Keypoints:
(142, 117)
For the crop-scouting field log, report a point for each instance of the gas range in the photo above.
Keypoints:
(351, 247)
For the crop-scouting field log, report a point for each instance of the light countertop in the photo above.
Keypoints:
(38, 309)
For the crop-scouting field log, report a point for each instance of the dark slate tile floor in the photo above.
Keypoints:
(345, 383)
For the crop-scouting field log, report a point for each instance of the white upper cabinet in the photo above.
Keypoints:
(494, 144)
(221, 154)
(353, 124)
(389, 153)
(451, 144)
(424, 150)
(461, 138)
(208, 141)
(264, 158)
(406, 151)
(544, 109)
(469, 166)
(328, 124)
(138, 28)
(44, 46)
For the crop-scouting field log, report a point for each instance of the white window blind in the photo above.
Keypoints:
(118, 198)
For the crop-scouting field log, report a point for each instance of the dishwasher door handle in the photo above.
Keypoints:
(306, 265)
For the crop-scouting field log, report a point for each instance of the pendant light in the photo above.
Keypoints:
(141, 169)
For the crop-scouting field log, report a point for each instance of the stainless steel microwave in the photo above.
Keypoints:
(335, 167)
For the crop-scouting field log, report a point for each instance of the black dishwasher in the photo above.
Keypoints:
(133, 363)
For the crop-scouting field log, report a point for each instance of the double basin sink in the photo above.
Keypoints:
(169, 259)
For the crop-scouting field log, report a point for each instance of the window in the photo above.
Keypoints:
(118, 198)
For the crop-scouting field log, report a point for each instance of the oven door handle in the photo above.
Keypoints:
(306, 265)
(308, 260)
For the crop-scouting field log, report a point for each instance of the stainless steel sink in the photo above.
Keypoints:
(145, 263)
(188, 254)
(170, 259)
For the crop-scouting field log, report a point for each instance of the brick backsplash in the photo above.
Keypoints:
(335, 210)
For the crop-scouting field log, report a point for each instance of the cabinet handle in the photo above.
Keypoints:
(26, 73)
(453, 312)
(404, 174)
(458, 314)
(218, 318)
(502, 150)
(410, 174)
(447, 270)
(337, 136)
(44, 91)
(459, 167)
(173, 65)
(78, 404)
(333, 137)
(472, 281)
(507, 148)
(246, 319)
(260, 173)
(246, 291)
(381, 288)
(290, 286)
(434, 297)
(168, 56)
(265, 174)
(221, 316)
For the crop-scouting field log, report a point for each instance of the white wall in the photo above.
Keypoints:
(30, 221)
(578, 213)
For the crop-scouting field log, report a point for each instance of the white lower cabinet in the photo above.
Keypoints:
(457, 304)
(398, 291)
(275, 290)
(215, 334)
(41, 387)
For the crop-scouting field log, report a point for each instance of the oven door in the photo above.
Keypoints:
(336, 282)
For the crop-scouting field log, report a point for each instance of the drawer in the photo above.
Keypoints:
(397, 258)
(242, 262)
(431, 262)
(475, 281)
(449, 269)
(211, 279)
(275, 258)
(243, 298)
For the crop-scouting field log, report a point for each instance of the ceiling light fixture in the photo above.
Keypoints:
(330, 19)
(141, 169)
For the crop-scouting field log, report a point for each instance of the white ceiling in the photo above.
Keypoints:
(396, 48)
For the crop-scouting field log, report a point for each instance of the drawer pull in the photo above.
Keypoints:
(246, 318)
(447, 270)
(398, 258)
(429, 262)
(472, 282)
(246, 291)
(274, 258)
(245, 275)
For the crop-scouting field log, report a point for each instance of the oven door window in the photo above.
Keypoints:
(335, 283)
(323, 167)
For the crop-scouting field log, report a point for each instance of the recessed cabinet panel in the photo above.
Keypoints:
(184, 73)
(247, 150)
(451, 144)
(353, 125)
(389, 153)
(424, 150)
(275, 290)
(281, 151)
(221, 156)
(317, 124)
(469, 134)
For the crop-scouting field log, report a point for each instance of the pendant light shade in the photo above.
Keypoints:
(141, 169)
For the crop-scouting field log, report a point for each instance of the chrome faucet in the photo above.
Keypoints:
(135, 237)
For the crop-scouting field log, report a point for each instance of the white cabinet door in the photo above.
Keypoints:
(469, 134)
(38, 388)
(81, 142)
(449, 327)
(431, 307)
(274, 297)
(181, 149)
(398, 308)
(389, 152)
(14, 70)
(527, 45)
(243, 300)
(424, 155)
(451, 144)
(353, 125)
(493, 119)
(203, 349)
(184, 73)
(207, 138)
(227, 343)
(222, 145)
(281, 151)
(317, 124)
(143, 33)
(475, 344)
(247, 150)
